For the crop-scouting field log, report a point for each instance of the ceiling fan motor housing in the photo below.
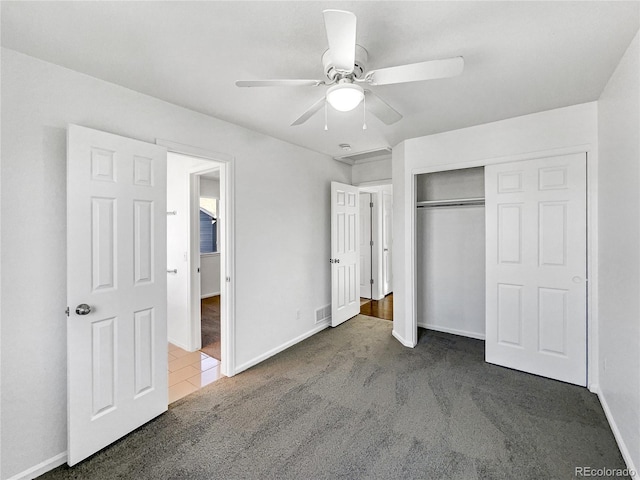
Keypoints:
(359, 67)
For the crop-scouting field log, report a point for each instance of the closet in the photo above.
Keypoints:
(450, 222)
(501, 254)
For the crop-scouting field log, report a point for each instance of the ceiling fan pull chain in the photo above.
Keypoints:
(364, 112)
(326, 127)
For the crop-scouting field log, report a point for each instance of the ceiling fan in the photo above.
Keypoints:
(345, 68)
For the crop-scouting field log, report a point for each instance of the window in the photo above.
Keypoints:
(208, 225)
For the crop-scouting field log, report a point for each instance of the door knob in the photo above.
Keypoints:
(83, 309)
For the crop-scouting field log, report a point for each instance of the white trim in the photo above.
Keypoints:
(261, 358)
(554, 152)
(376, 183)
(626, 456)
(226, 242)
(455, 331)
(208, 295)
(592, 234)
(593, 352)
(344, 160)
(194, 151)
(179, 344)
(402, 340)
(41, 468)
(371, 160)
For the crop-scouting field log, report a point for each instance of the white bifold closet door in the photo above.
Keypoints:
(536, 266)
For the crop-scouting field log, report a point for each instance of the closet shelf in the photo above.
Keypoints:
(452, 202)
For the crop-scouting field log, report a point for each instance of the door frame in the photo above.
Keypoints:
(592, 242)
(373, 268)
(377, 189)
(226, 239)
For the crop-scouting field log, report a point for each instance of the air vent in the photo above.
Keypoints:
(363, 157)
(323, 314)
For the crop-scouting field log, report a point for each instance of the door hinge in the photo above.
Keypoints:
(67, 311)
(371, 243)
(371, 205)
(228, 279)
(371, 281)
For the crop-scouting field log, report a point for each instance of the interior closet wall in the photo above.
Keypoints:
(451, 252)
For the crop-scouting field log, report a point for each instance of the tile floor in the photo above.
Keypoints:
(190, 371)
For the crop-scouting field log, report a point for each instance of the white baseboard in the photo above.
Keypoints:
(261, 358)
(402, 340)
(179, 344)
(626, 456)
(455, 331)
(209, 295)
(41, 468)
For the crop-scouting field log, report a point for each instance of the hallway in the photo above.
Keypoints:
(378, 308)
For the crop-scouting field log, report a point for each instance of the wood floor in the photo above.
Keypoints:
(210, 313)
(378, 308)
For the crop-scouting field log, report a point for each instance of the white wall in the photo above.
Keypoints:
(371, 171)
(209, 187)
(517, 138)
(619, 260)
(288, 216)
(450, 277)
(209, 275)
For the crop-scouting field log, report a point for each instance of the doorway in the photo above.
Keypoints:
(197, 272)
(209, 264)
(376, 251)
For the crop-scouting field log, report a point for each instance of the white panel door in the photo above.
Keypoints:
(365, 245)
(536, 267)
(387, 242)
(116, 287)
(345, 252)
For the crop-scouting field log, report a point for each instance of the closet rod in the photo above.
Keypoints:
(454, 202)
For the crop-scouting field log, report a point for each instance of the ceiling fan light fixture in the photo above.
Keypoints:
(344, 97)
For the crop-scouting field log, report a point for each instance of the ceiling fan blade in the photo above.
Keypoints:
(309, 113)
(341, 34)
(380, 108)
(415, 72)
(278, 83)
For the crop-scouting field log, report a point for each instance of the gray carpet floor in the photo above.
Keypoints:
(352, 403)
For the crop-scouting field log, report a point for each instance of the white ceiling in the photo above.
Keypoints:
(520, 57)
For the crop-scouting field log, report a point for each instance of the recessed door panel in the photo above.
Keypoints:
(509, 182)
(510, 233)
(552, 321)
(103, 165)
(143, 241)
(142, 171)
(510, 314)
(341, 233)
(553, 233)
(143, 350)
(103, 365)
(103, 243)
(553, 178)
